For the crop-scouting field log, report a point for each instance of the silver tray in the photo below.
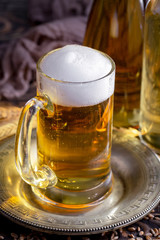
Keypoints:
(136, 192)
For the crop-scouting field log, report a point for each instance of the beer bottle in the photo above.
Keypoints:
(150, 91)
(116, 28)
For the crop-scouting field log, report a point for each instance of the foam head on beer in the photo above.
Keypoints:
(77, 76)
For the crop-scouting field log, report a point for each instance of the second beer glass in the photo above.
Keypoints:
(116, 28)
(150, 92)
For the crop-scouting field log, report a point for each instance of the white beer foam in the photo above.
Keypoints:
(76, 68)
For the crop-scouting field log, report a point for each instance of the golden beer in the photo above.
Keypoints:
(75, 142)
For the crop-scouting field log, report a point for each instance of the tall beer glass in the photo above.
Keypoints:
(74, 128)
(150, 90)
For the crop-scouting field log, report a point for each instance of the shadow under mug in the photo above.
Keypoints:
(73, 133)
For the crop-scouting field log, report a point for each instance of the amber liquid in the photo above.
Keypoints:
(150, 98)
(116, 28)
(75, 142)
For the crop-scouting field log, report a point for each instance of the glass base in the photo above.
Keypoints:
(152, 141)
(68, 199)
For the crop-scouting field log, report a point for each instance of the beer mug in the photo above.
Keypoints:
(74, 108)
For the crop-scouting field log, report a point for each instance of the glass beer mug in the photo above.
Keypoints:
(74, 108)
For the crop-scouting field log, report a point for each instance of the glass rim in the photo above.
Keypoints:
(69, 82)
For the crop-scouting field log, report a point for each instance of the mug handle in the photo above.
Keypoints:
(43, 176)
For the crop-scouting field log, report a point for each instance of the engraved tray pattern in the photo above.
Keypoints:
(135, 193)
